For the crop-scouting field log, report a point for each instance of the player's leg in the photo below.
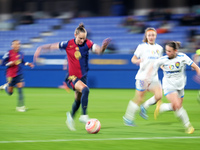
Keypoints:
(132, 108)
(83, 88)
(20, 105)
(180, 112)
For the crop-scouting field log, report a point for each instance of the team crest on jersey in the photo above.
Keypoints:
(77, 55)
(177, 64)
(171, 67)
(157, 51)
(77, 48)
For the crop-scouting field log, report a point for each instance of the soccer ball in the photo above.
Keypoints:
(93, 126)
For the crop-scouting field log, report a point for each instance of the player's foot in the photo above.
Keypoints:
(143, 112)
(128, 122)
(70, 122)
(190, 129)
(21, 109)
(84, 119)
(2, 87)
(157, 110)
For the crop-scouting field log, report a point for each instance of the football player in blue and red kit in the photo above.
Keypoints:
(77, 50)
(14, 60)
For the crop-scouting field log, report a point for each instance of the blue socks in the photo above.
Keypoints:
(6, 89)
(75, 107)
(20, 98)
(84, 99)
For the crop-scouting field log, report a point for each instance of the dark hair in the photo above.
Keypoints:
(174, 44)
(80, 28)
(148, 29)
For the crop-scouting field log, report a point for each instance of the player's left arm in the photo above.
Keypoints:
(100, 49)
(196, 68)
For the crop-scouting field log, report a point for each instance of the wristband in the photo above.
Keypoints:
(27, 63)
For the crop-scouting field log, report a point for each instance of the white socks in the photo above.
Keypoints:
(182, 114)
(131, 110)
(149, 102)
(165, 107)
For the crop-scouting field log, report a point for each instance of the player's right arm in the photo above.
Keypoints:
(5, 60)
(45, 48)
(135, 60)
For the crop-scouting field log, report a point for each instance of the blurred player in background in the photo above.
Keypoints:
(145, 55)
(196, 59)
(14, 60)
(174, 81)
(77, 50)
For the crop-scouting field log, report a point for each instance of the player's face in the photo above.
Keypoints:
(80, 38)
(151, 36)
(16, 45)
(171, 53)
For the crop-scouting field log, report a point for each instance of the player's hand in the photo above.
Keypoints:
(105, 43)
(37, 54)
(31, 65)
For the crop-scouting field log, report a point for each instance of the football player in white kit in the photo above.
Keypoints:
(174, 81)
(145, 55)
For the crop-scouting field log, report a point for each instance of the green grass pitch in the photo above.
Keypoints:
(43, 127)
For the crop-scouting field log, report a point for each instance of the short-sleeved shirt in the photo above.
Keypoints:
(77, 56)
(17, 69)
(174, 70)
(148, 54)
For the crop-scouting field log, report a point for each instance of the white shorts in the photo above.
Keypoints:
(141, 85)
(180, 92)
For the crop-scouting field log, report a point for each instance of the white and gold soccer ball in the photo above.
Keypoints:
(93, 126)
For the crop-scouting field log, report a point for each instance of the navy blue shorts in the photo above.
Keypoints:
(15, 80)
(71, 83)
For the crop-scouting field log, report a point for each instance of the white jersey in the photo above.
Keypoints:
(148, 54)
(174, 70)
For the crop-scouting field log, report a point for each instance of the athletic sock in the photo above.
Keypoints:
(75, 107)
(165, 107)
(131, 110)
(84, 100)
(182, 114)
(20, 98)
(149, 102)
(6, 89)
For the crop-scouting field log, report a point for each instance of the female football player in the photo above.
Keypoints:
(174, 81)
(145, 55)
(77, 50)
(14, 60)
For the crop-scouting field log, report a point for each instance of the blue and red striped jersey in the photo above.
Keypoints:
(77, 56)
(18, 57)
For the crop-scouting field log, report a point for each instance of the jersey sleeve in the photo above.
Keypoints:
(137, 52)
(5, 59)
(63, 45)
(89, 43)
(188, 60)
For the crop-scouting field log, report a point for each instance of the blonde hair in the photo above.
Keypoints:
(80, 28)
(145, 35)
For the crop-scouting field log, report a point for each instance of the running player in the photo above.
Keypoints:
(174, 81)
(145, 55)
(14, 60)
(77, 54)
(197, 78)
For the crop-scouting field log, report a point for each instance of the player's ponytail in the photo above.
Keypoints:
(80, 28)
(174, 44)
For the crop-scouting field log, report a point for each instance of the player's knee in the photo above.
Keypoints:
(85, 90)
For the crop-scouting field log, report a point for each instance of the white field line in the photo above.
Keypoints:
(106, 139)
